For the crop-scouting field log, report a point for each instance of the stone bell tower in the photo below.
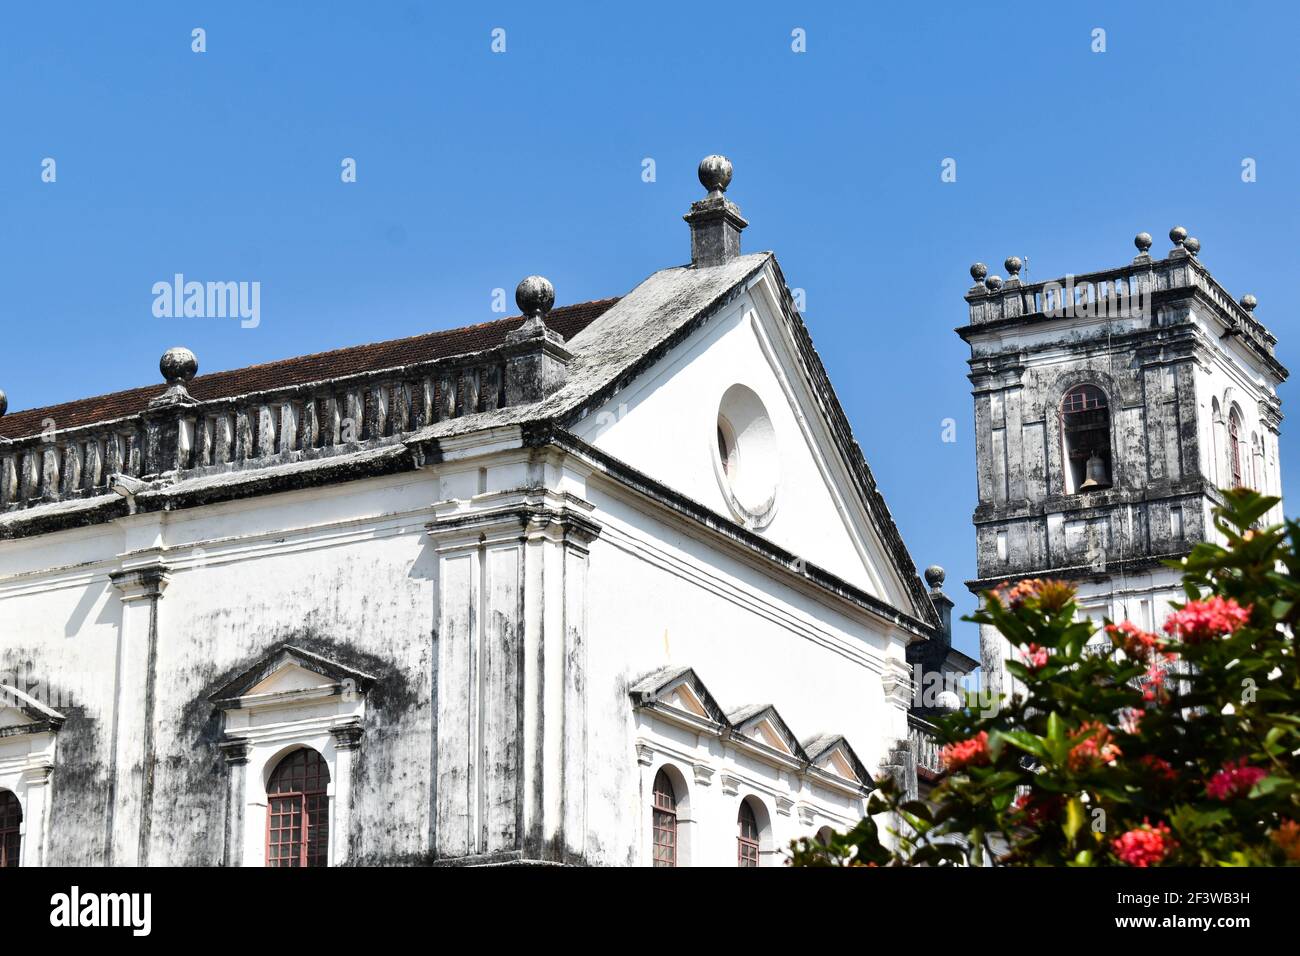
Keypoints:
(1110, 408)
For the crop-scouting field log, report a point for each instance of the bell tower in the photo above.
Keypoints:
(1110, 408)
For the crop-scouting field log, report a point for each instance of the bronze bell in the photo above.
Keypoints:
(1097, 477)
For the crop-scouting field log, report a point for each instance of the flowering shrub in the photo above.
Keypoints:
(1175, 748)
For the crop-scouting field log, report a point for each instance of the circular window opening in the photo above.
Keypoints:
(747, 463)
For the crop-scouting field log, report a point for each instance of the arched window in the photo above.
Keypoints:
(1234, 446)
(297, 811)
(665, 821)
(1085, 431)
(746, 836)
(11, 821)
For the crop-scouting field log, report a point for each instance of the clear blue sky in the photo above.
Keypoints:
(475, 169)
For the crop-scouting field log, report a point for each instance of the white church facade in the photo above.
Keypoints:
(604, 584)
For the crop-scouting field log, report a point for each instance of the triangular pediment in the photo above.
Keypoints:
(680, 689)
(740, 416)
(20, 713)
(289, 670)
(832, 754)
(764, 725)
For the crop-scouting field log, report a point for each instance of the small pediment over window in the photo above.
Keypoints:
(290, 673)
(762, 724)
(832, 754)
(678, 688)
(20, 713)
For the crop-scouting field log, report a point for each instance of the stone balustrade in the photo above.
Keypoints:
(271, 427)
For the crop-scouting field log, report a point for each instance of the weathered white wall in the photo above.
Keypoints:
(353, 573)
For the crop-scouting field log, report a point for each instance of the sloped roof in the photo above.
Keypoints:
(612, 340)
(321, 366)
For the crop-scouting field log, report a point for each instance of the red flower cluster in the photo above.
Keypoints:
(1234, 780)
(1154, 690)
(1145, 846)
(1201, 621)
(1094, 746)
(1158, 768)
(1035, 657)
(1287, 838)
(1040, 809)
(1138, 644)
(966, 753)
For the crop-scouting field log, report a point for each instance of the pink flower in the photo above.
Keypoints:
(1144, 846)
(1234, 780)
(1201, 621)
(966, 753)
(1035, 657)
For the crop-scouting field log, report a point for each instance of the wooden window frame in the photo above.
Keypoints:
(664, 821)
(11, 829)
(306, 810)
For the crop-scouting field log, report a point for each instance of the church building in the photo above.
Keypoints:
(608, 583)
(1110, 409)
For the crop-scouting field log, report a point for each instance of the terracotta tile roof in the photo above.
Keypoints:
(568, 320)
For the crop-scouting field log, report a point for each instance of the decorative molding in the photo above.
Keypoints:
(784, 805)
(141, 584)
(235, 751)
(807, 815)
(347, 736)
(703, 774)
(730, 784)
(645, 754)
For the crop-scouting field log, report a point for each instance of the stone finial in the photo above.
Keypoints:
(715, 221)
(1177, 236)
(1192, 245)
(1013, 266)
(178, 365)
(993, 283)
(4, 399)
(715, 174)
(1143, 242)
(535, 296)
(1248, 302)
(934, 576)
(978, 271)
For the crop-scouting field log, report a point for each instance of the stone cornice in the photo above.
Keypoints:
(140, 584)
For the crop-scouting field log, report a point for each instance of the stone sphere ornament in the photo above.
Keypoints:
(178, 365)
(535, 295)
(1192, 245)
(934, 576)
(1177, 235)
(978, 271)
(1248, 302)
(1143, 241)
(1013, 266)
(993, 283)
(715, 173)
(4, 403)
